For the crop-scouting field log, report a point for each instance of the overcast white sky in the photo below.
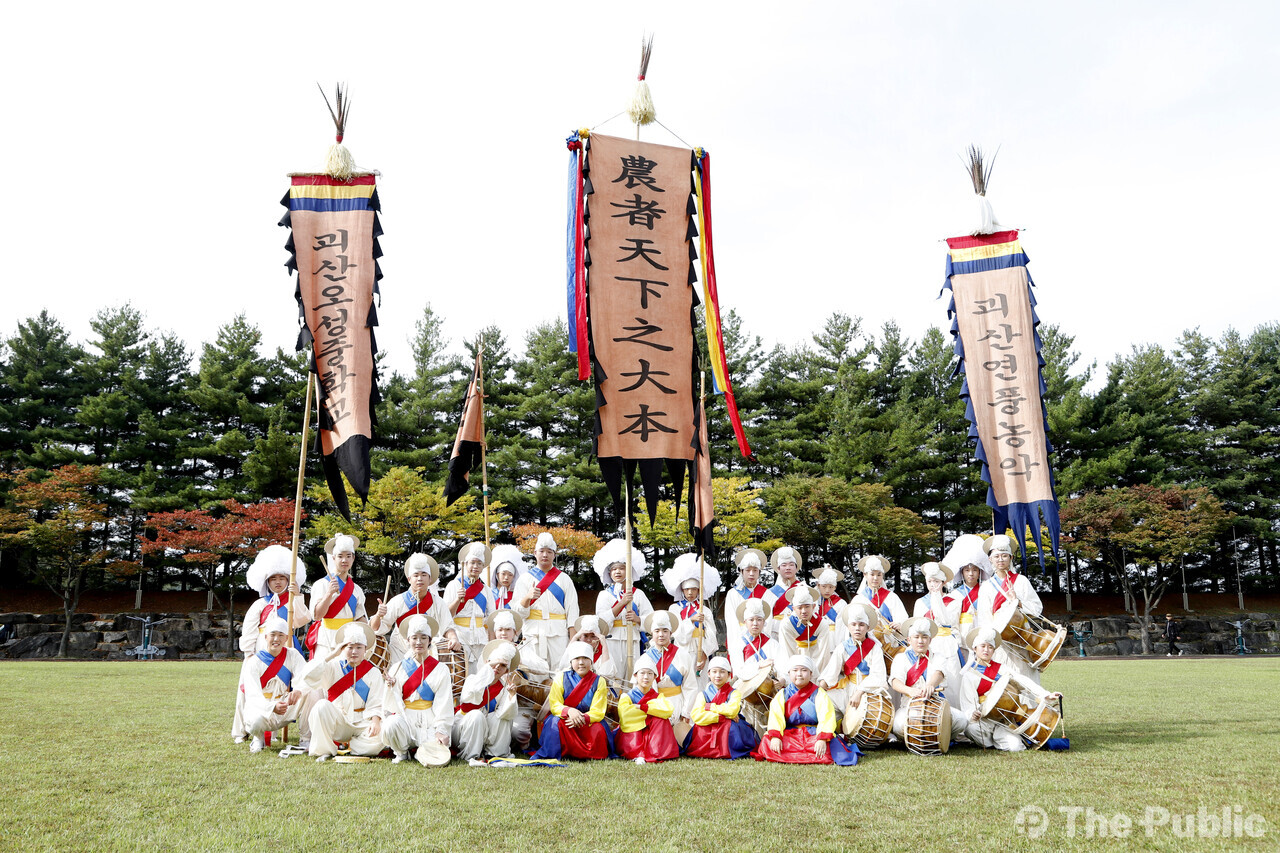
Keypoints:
(148, 146)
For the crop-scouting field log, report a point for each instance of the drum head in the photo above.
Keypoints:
(758, 688)
(993, 695)
(944, 726)
(1002, 617)
(854, 719)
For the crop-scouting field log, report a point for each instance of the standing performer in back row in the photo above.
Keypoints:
(336, 599)
(547, 601)
(468, 601)
(618, 606)
(421, 600)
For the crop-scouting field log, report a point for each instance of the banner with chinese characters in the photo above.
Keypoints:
(334, 250)
(639, 299)
(994, 322)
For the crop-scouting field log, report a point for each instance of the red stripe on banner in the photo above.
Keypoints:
(730, 403)
(983, 240)
(580, 278)
(326, 181)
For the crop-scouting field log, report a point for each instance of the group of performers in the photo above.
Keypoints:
(503, 664)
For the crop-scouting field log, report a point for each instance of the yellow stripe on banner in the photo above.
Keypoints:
(353, 191)
(708, 308)
(978, 253)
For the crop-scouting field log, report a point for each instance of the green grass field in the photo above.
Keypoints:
(134, 756)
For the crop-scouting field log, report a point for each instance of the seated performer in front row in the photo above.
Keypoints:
(856, 666)
(802, 723)
(976, 680)
(718, 730)
(677, 676)
(487, 705)
(421, 698)
(266, 682)
(505, 625)
(269, 578)
(574, 729)
(914, 675)
(644, 720)
(354, 691)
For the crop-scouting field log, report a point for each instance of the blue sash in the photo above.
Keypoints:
(849, 648)
(424, 690)
(677, 677)
(807, 713)
(617, 596)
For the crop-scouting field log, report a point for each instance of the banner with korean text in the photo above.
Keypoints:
(334, 250)
(994, 323)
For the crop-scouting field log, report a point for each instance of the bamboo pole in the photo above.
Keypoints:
(631, 656)
(297, 501)
(484, 463)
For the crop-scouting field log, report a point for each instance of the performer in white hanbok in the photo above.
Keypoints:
(420, 698)
(687, 581)
(507, 564)
(272, 700)
(786, 562)
(506, 625)
(352, 690)
(487, 706)
(677, 674)
(831, 608)
(547, 600)
(618, 606)
(944, 610)
(754, 649)
(972, 567)
(976, 680)
(421, 571)
(856, 666)
(269, 578)
(1007, 588)
(802, 631)
(468, 602)
(914, 675)
(750, 562)
(336, 599)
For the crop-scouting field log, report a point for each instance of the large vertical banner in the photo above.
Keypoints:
(994, 322)
(639, 300)
(334, 250)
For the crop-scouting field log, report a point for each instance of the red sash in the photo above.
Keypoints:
(643, 704)
(472, 591)
(827, 605)
(270, 608)
(988, 679)
(752, 647)
(877, 598)
(417, 608)
(664, 662)
(864, 648)
(345, 683)
(575, 697)
(1007, 586)
(757, 591)
(490, 693)
(811, 630)
(599, 651)
(794, 703)
(722, 695)
(413, 682)
(547, 580)
(913, 674)
(970, 599)
(274, 668)
(344, 595)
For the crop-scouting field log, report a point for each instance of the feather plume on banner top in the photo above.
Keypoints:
(994, 320)
(631, 276)
(333, 247)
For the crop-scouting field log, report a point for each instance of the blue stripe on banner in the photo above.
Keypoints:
(1002, 262)
(328, 205)
(570, 249)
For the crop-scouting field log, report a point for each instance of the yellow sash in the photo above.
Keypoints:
(418, 704)
(336, 622)
(538, 614)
